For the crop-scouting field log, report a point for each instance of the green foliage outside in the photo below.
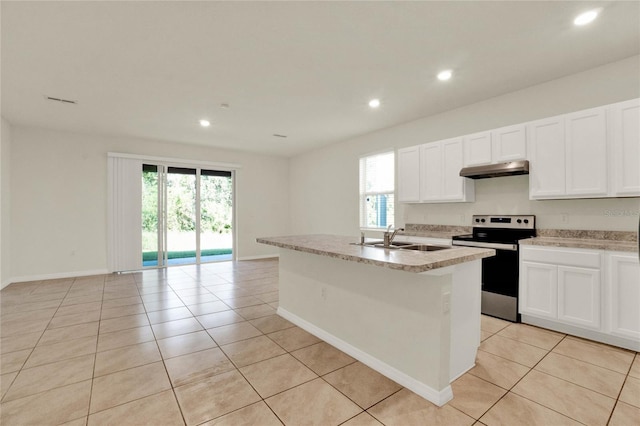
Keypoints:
(215, 205)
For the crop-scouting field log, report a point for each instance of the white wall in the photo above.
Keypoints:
(5, 203)
(59, 198)
(324, 182)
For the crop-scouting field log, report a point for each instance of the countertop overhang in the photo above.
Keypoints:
(584, 243)
(343, 247)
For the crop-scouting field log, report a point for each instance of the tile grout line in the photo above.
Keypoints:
(559, 378)
(95, 358)
(2, 400)
(290, 353)
(164, 365)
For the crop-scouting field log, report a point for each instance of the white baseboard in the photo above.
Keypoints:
(437, 397)
(264, 256)
(626, 343)
(75, 274)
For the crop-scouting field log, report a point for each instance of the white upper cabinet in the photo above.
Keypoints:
(409, 174)
(496, 146)
(586, 153)
(477, 149)
(431, 172)
(546, 158)
(625, 148)
(593, 153)
(509, 143)
(454, 187)
(440, 181)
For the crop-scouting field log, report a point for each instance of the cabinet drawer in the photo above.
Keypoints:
(570, 257)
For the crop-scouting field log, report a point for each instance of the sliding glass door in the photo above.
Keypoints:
(216, 215)
(187, 215)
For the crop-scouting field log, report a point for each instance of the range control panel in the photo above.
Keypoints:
(505, 222)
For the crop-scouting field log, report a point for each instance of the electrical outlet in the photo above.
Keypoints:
(446, 302)
(463, 218)
(323, 293)
(564, 218)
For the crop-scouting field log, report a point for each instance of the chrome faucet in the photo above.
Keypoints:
(389, 236)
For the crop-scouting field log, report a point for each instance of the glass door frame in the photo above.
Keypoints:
(163, 170)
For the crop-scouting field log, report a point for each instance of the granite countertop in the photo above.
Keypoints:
(595, 240)
(342, 247)
(434, 231)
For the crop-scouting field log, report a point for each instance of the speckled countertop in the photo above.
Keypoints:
(342, 247)
(434, 231)
(595, 240)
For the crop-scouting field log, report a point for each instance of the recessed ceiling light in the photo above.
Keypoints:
(586, 17)
(205, 123)
(445, 75)
(374, 103)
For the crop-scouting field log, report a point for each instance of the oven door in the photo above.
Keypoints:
(499, 280)
(500, 273)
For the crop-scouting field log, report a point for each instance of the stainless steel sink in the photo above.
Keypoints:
(394, 246)
(399, 245)
(424, 247)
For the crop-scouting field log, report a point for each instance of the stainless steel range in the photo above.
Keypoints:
(499, 273)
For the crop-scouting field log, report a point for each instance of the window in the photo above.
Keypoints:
(377, 185)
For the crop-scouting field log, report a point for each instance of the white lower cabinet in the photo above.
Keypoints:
(624, 294)
(539, 289)
(589, 293)
(579, 296)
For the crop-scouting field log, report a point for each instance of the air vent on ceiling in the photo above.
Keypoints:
(64, 101)
(279, 136)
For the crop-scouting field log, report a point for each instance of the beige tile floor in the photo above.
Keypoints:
(203, 345)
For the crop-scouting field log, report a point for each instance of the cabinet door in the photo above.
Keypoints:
(579, 296)
(409, 174)
(625, 120)
(624, 295)
(452, 183)
(509, 144)
(538, 289)
(546, 158)
(586, 150)
(477, 149)
(431, 171)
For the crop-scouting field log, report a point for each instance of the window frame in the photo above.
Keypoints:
(363, 194)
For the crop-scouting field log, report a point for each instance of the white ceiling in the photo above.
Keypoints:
(302, 69)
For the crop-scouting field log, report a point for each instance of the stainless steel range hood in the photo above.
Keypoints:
(512, 168)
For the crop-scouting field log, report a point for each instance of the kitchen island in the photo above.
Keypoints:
(413, 316)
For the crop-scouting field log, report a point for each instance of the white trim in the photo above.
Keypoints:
(75, 274)
(382, 151)
(218, 165)
(264, 256)
(437, 397)
(571, 330)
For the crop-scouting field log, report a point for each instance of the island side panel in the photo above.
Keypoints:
(395, 317)
(465, 317)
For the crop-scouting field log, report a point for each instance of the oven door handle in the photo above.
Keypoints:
(497, 246)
